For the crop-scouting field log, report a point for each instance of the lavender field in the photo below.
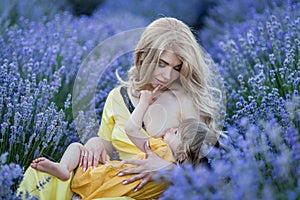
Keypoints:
(255, 44)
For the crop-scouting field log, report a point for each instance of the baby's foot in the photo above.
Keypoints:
(44, 165)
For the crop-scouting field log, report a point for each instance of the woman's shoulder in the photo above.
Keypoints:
(114, 93)
(116, 90)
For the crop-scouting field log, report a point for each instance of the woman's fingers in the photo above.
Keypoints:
(96, 159)
(103, 157)
(145, 180)
(82, 156)
(133, 161)
(90, 159)
(85, 158)
(136, 170)
(133, 179)
(146, 177)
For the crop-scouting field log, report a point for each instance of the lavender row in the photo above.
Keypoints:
(260, 65)
(259, 61)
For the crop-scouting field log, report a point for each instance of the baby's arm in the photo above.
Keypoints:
(134, 124)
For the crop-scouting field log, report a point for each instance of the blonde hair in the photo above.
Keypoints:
(196, 142)
(172, 34)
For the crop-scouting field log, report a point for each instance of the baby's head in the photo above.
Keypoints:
(191, 142)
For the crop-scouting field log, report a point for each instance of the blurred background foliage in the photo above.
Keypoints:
(255, 44)
(191, 12)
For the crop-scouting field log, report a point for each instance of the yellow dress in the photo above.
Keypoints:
(104, 182)
(114, 117)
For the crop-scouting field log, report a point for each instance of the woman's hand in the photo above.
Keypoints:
(145, 168)
(93, 152)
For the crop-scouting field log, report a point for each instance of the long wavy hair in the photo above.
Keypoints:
(172, 34)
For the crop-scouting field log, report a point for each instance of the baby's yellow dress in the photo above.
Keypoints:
(104, 182)
(114, 117)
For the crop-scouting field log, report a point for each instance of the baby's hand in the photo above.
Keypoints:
(148, 96)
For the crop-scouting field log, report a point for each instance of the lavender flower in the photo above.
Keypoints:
(10, 176)
(269, 80)
(260, 164)
(227, 16)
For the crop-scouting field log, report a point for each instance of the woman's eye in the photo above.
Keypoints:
(161, 65)
(177, 68)
(175, 132)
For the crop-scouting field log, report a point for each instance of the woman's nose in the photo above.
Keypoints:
(167, 73)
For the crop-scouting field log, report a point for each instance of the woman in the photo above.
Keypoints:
(167, 55)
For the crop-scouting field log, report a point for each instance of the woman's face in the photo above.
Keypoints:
(172, 138)
(167, 71)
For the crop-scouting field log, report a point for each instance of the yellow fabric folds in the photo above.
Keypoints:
(54, 189)
(104, 182)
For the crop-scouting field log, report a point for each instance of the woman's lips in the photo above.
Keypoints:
(161, 83)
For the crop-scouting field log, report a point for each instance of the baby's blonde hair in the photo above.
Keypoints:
(197, 139)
